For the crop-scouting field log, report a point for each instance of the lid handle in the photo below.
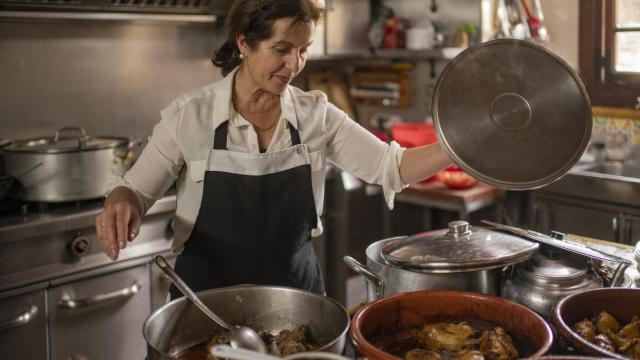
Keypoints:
(459, 228)
(82, 138)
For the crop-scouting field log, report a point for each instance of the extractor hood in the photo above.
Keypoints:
(183, 7)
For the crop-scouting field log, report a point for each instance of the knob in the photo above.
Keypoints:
(459, 227)
(80, 246)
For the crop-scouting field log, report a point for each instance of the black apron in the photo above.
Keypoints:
(255, 220)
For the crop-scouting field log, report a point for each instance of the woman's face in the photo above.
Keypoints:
(276, 61)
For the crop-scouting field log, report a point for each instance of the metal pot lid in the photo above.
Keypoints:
(65, 140)
(512, 114)
(461, 247)
(559, 269)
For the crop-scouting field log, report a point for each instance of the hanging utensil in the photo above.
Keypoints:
(240, 336)
(534, 22)
(543, 34)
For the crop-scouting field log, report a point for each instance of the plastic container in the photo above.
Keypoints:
(415, 134)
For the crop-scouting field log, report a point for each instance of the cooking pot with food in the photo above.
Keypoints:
(459, 258)
(448, 324)
(68, 166)
(179, 331)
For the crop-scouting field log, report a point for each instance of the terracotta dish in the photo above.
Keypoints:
(622, 303)
(397, 314)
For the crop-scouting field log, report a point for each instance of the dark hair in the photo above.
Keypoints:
(254, 19)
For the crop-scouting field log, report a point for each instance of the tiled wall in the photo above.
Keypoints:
(617, 128)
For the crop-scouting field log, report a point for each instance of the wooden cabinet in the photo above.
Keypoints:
(584, 217)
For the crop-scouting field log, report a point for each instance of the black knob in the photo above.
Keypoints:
(80, 246)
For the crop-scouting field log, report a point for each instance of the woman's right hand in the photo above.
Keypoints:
(119, 222)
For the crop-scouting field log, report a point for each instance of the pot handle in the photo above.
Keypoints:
(126, 157)
(376, 280)
(82, 138)
(618, 276)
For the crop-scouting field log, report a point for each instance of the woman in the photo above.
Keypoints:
(249, 153)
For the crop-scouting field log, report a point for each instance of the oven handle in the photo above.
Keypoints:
(72, 304)
(19, 320)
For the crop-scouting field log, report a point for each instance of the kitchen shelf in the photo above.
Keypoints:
(392, 54)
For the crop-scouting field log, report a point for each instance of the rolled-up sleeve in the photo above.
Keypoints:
(159, 163)
(356, 150)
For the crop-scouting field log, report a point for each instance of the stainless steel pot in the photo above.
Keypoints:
(67, 166)
(459, 258)
(542, 281)
(179, 324)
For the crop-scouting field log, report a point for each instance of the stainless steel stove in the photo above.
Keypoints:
(62, 298)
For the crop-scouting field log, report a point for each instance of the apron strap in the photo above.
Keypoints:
(221, 132)
(295, 135)
(220, 136)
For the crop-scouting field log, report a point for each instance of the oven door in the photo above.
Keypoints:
(100, 317)
(23, 325)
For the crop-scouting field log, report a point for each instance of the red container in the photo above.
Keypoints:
(413, 134)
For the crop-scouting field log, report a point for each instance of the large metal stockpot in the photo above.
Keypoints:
(67, 166)
(179, 324)
(460, 258)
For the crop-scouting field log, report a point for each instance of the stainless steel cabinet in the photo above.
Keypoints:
(100, 317)
(23, 327)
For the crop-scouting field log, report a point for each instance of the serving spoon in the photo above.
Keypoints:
(240, 336)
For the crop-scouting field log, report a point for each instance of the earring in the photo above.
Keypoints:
(241, 56)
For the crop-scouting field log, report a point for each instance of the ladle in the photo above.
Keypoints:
(240, 336)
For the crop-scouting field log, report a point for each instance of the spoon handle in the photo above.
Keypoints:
(186, 290)
(228, 352)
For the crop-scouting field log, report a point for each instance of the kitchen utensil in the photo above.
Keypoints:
(68, 166)
(512, 114)
(534, 22)
(227, 352)
(179, 325)
(542, 281)
(398, 313)
(240, 336)
(622, 303)
(572, 247)
(460, 258)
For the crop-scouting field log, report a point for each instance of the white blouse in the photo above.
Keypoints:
(178, 147)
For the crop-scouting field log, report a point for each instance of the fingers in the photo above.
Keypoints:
(134, 225)
(115, 226)
(122, 226)
(102, 232)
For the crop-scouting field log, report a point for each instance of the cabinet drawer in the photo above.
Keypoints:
(100, 317)
(23, 327)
